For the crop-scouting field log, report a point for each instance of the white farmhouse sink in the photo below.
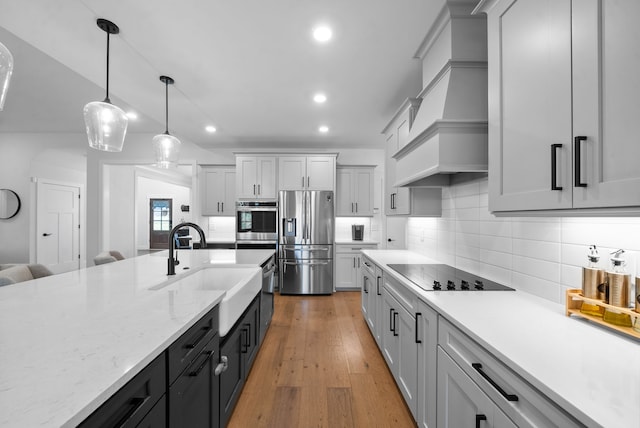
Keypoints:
(240, 284)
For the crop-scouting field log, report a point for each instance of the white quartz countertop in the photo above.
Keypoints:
(69, 341)
(593, 373)
(354, 242)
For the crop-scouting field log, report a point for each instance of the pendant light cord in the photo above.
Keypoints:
(166, 99)
(107, 100)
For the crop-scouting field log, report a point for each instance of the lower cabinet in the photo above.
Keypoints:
(427, 338)
(348, 263)
(371, 277)
(240, 347)
(461, 403)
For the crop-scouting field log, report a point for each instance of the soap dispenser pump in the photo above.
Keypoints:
(593, 283)
(618, 290)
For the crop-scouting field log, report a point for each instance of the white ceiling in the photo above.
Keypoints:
(249, 67)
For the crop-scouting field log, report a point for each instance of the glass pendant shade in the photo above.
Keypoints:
(6, 68)
(106, 126)
(167, 148)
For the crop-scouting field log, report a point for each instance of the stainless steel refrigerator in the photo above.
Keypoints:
(306, 242)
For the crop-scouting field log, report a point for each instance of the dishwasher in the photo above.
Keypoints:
(266, 299)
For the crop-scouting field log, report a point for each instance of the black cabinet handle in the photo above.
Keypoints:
(351, 206)
(243, 343)
(418, 314)
(378, 286)
(367, 264)
(47, 234)
(391, 327)
(480, 418)
(508, 397)
(222, 205)
(197, 371)
(356, 207)
(218, 206)
(135, 404)
(205, 330)
(364, 283)
(554, 166)
(577, 144)
(395, 323)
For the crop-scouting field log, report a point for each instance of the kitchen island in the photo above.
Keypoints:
(70, 341)
(589, 372)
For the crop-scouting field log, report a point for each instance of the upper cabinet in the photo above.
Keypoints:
(256, 177)
(354, 191)
(563, 98)
(405, 200)
(314, 172)
(218, 184)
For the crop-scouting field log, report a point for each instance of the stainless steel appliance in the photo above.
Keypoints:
(266, 301)
(357, 232)
(440, 277)
(257, 221)
(306, 242)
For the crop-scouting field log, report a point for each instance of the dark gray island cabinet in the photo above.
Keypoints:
(194, 383)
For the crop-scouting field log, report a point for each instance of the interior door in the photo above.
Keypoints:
(58, 226)
(160, 222)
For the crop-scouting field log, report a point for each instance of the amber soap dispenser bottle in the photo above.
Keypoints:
(593, 283)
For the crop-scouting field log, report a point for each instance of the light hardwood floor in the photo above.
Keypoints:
(319, 366)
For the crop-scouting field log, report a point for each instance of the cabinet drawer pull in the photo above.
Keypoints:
(577, 145)
(508, 397)
(135, 403)
(480, 418)
(378, 286)
(554, 166)
(418, 340)
(395, 323)
(367, 264)
(202, 336)
(197, 371)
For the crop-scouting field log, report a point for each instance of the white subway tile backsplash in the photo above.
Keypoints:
(540, 255)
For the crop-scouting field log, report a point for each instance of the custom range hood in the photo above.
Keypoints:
(449, 132)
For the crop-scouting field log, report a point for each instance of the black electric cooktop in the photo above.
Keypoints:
(439, 277)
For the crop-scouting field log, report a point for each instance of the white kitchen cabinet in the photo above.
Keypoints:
(372, 297)
(256, 177)
(461, 403)
(354, 191)
(348, 262)
(427, 338)
(400, 347)
(218, 185)
(563, 93)
(315, 172)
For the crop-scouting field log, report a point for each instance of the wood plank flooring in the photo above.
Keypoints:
(319, 366)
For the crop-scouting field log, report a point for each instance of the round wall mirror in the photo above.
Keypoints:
(9, 203)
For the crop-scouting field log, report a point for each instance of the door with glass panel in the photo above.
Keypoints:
(160, 223)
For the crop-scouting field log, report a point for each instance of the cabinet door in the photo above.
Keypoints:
(344, 197)
(227, 206)
(363, 192)
(292, 173)
(606, 90)
(212, 184)
(364, 295)
(246, 177)
(321, 172)
(377, 311)
(460, 400)
(390, 337)
(345, 269)
(389, 174)
(266, 178)
(251, 322)
(427, 335)
(407, 359)
(232, 379)
(529, 46)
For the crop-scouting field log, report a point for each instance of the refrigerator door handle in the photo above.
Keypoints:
(306, 262)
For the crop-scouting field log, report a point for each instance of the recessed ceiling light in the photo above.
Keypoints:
(210, 129)
(132, 115)
(323, 129)
(319, 98)
(322, 33)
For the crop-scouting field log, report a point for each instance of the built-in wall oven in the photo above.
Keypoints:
(256, 222)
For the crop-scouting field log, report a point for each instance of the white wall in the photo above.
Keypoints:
(540, 255)
(41, 156)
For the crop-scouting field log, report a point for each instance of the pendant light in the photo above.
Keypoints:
(167, 146)
(106, 124)
(6, 68)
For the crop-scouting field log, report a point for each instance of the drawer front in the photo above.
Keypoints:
(354, 248)
(190, 344)
(520, 401)
(402, 294)
(130, 405)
